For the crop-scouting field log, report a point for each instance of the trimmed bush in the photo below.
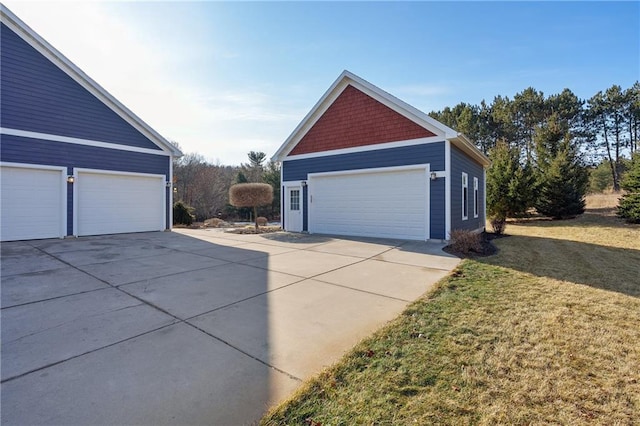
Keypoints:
(182, 214)
(498, 224)
(251, 195)
(464, 241)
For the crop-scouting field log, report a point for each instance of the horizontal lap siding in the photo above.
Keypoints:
(437, 209)
(432, 153)
(38, 96)
(462, 163)
(35, 151)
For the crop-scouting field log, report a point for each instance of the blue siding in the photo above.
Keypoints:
(437, 211)
(305, 205)
(38, 96)
(36, 151)
(462, 163)
(432, 153)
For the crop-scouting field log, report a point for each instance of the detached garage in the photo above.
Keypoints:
(73, 160)
(364, 163)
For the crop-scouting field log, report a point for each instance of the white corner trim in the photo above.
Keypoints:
(170, 206)
(78, 141)
(447, 189)
(484, 196)
(366, 148)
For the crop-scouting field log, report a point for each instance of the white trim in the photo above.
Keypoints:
(78, 141)
(285, 186)
(57, 58)
(372, 170)
(424, 166)
(447, 190)
(63, 182)
(366, 148)
(281, 197)
(465, 203)
(476, 195)
(78, 171)
(484, 197)
(169, 226)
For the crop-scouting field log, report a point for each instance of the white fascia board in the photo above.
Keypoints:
(78, 141)
(347, 78)
(51, 53)
(365, 148)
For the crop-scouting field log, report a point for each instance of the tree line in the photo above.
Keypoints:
(204, 186)
(543, 147)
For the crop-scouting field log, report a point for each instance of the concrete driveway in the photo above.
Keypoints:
(192, 326)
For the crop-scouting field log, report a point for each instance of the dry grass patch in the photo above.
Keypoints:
(545, 332)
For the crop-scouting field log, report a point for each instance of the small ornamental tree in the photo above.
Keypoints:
(629, 206)
(251, 195)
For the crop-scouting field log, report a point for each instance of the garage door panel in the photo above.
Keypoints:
(381, 204)
(113, 203)
(32, 203)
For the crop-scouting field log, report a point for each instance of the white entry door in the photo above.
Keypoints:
(293, 209)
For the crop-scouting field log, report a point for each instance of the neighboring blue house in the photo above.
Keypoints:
(73, 160)
(364, 163)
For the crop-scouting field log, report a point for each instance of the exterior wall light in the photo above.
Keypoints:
(168, 184)
(70, 179)
(304, 183)
(434, 176)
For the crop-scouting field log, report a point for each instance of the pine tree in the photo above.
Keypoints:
(629, 206)
(509, 184)
(563, 184)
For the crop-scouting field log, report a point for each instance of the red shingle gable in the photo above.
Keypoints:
(355, 119)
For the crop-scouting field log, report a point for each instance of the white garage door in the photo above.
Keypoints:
(33, 203)
(385, 203)
(112, 203)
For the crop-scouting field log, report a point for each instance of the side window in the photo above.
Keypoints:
(465, 196)
(295, 199)
(475, 197)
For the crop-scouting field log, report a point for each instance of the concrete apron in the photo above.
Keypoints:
(193, 326)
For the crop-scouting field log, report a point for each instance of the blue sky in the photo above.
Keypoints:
(224, 78)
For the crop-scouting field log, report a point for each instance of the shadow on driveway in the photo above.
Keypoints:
(190, 327)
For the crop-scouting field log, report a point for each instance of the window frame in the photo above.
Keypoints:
(476, 198)
(295, 204)
(465, 196)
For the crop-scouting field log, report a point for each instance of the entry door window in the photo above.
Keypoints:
(295, 200)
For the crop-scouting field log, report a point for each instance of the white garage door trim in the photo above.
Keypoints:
(119, 224)
(37, 228)
(315, 179)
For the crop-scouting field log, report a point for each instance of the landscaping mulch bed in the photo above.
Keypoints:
(253, 230)
(487, 247)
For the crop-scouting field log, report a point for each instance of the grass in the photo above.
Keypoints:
(544, 332)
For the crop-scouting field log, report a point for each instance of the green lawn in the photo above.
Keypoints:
(545, 332)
